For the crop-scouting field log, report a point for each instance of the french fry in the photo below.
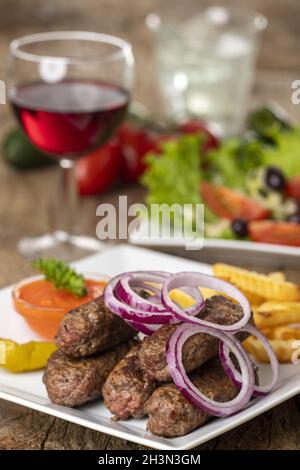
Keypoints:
(277, 276)
(266, 320)
(275, 303)
(283, 332)
(268, 333)
(268, 287)
(279, 307)
(283, 349)
(253, 299)
(271, 314)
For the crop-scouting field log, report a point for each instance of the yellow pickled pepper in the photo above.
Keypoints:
(24, 357)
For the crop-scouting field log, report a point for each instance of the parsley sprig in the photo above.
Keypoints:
(62, 275)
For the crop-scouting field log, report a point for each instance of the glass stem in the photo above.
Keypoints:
(69, 216)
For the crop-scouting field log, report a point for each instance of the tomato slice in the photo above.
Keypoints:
(231, 205)
(269, 231)
(293, 187)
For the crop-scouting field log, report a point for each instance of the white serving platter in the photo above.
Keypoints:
(28, 390)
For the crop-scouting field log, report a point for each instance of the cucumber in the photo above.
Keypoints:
(20, 153)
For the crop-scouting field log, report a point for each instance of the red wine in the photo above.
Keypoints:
(69, 118)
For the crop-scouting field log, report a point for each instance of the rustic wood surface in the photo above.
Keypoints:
(27, 200)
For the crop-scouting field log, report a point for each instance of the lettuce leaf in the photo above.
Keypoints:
(230, 164)
(286, 153)
(175, 175)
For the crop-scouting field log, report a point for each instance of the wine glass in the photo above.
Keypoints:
(69, 91)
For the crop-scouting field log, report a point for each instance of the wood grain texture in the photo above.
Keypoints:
(27, 200)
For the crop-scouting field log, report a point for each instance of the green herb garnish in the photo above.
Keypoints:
(62, 275)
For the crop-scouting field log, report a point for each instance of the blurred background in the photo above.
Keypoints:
(278, 53)
(27, 198)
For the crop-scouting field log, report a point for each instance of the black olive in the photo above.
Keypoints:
(240, 227)
(274, 178)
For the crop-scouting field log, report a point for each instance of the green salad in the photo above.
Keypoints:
(250, 185)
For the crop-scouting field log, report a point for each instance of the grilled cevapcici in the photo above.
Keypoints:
(180, 341)
(91, 341)
(171, 414)
(197, 350)
(132, 381)
(128, 387)
(73, 382)
(90, 329)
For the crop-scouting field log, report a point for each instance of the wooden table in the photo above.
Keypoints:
(21, 214)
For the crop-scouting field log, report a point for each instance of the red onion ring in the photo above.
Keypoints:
(154, 291)
(121, 298)
(147, 315)
(126, 294)
(147, 330)
(198, 297)
(233, 373)
(192, 279)
(188, 389)
(132, 314)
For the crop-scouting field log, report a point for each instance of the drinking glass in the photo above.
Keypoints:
(69, 91)
(205, 63)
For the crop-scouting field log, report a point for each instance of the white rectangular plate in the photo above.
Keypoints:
(136, 237)
(28, 390)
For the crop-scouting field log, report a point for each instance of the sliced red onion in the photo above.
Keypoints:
(196, 294)
(127, 295)
(147, 315)
(155, 299)
(147, 330)
(234, 374)
(121, 298)
(192, 292)
(193, 279)
(188, 389)
(132, 314)
(153, 290)
(125, 292)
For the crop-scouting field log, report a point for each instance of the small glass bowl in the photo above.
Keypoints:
(45, 320)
